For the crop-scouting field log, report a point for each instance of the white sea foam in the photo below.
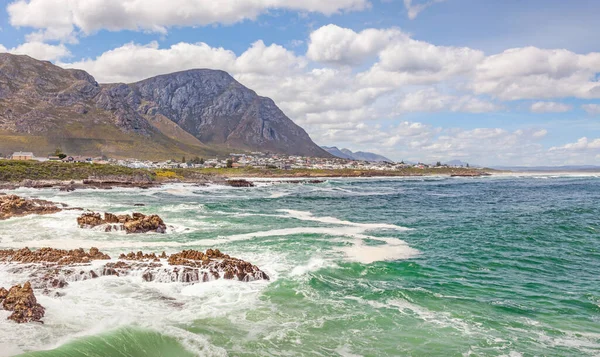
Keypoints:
(395, 249)
(308, 216)
(313, 264)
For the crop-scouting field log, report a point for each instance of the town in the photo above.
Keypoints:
(258, 160)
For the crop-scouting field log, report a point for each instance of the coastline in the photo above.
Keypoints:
(70, 177)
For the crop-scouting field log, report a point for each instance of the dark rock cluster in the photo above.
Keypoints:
(51, 255)
(15, 206)
(136, 223)
(22, 302)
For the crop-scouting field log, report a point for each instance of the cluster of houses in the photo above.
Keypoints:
(254, 160)
(26, 155)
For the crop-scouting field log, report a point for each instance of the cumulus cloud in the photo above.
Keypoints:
(39, 50)
(583, 144)
(430, 100)
(593, 109)
(414, 9)
(337, 45)
(550, 107)
(530, 72)
(60, 19)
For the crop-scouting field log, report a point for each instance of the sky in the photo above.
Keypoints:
(487, 82)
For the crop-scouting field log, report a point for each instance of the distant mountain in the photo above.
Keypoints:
(196, 112)
(582, 168)
(359, 155)
(337, 152)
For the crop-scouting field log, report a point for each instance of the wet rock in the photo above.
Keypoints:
(136, 223)
(51, 255)
(217, 262)
(239, 183)
(23, 303)
(15, 206)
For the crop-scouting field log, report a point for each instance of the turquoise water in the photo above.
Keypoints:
(500, 266)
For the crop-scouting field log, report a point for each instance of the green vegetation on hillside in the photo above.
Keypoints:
(14, 171)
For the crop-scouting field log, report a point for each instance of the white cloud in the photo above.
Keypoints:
(60, 19)
(593, 109)
(429, 100)
(583, 144)
(41, 51)
(550, 107)
(337, 45)
(414, 9)
(530, 72)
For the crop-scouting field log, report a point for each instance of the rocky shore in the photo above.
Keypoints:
(102, 183)
(15, 206)
(136, 223)
(51, 270)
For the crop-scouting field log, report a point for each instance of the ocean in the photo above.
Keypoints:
(422, 266)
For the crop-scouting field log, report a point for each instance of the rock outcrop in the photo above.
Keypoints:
(22, 301)
(136, 223)
(239, 183)
(51, 255)
(15, 206)
(51, 269)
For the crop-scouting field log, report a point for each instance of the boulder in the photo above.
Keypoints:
(136, 223)
(239, 183)
(15, 206)
(23, 303)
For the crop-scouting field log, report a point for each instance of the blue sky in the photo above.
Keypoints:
(493, 82)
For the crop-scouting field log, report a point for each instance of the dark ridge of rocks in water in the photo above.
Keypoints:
(15, 206)
(214, 261)
(51, 255)
(136, 223)
(50, 269)
(140, 256)
(239, 183)
(22, 302)
(138, 205)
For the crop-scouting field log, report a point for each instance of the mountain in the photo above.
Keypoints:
(359, 155)
(337, 152)
(198, 112)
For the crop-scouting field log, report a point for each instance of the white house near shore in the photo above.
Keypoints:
(22, 155)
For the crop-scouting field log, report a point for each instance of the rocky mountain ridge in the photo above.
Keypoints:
(358, 155)
(195, 112)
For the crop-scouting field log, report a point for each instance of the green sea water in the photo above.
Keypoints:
(495, 266)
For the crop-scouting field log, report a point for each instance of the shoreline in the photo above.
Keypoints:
(74, 176)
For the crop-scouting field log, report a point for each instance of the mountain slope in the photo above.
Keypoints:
(199, 112)
(333, 150)
(359, 155)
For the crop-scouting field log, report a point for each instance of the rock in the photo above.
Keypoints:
(15, 206)
(23, 303)
(239, 183)
(215, 261)
(50, 255)
(137, 223)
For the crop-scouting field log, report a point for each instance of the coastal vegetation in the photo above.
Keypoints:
(16, 171)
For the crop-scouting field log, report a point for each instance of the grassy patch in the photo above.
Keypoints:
(14, 171)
